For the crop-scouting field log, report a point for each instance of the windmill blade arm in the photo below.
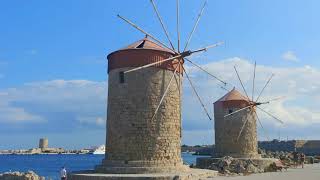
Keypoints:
(195, 91)
(178, 23)
(195, 26)
(271, 115)
(165, 93)
(268, 81)
(263, 129)
(239, 110)
(189, 53)
(242, 128)
(254, 77)
(184, 54)
(152, 64)
(208, 47)
(161, 22)
(206, 71)
(144, 32)
(275, 99)
(244, 89)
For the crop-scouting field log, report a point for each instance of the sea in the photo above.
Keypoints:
(49, 166)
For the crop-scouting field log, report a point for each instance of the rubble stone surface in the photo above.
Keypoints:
(228, 165)
(30, 175)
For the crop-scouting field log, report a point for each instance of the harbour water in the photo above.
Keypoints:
(49, 165)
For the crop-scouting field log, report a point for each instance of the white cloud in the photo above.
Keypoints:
(290, 56)
(300, 86)
(197, 137)
(99, 121)
(83, 103)
(16, 115)
(75, 100)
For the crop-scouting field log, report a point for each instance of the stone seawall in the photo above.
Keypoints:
(311, 147)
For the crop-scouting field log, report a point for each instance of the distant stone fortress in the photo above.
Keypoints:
(309, 147)
(44, 149)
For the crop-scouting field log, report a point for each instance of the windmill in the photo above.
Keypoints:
(236, 121)
(180, 54)
(254, 103)
(144, 102)
(142, 134)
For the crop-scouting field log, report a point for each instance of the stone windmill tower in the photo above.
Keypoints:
(235, 122)
(136, 141)
(227, 130)
(144, 104)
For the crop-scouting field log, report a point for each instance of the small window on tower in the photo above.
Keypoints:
(121, 77)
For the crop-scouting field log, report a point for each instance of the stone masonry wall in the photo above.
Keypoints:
(309, 147)
(134, 139)
(227, 130)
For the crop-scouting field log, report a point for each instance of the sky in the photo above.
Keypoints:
(53, 66)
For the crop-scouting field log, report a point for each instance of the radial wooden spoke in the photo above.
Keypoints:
(263, 129)
(268, 81)
(165, 93)
(195, 26)
(241, 83)
(195, 91)
(224, 88)
(208, 47)
(271, 115)
(242, 128)
(182, 55)
(144, 32)
(239, 110)
(152, 64)
(275, 99)
(178, 24)
(180, 113)
(206, 71)
(254, 77)
(161, 22)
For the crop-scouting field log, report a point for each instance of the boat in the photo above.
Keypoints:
(99, 150)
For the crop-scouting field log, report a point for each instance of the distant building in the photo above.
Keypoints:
(43, 143)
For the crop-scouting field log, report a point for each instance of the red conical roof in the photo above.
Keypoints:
(233, 95)
(143, 52)
(146, 43)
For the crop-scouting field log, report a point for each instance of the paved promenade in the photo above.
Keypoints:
(310, 172)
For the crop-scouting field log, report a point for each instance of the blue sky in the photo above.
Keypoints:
(53, 57)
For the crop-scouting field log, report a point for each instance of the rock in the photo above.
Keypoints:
(214, 167)
(239, 168)
(30, 175)
(252, 169)
(230, 166)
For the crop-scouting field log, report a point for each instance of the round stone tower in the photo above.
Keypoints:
(43, 143)
(136, 142)
(228, 128)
